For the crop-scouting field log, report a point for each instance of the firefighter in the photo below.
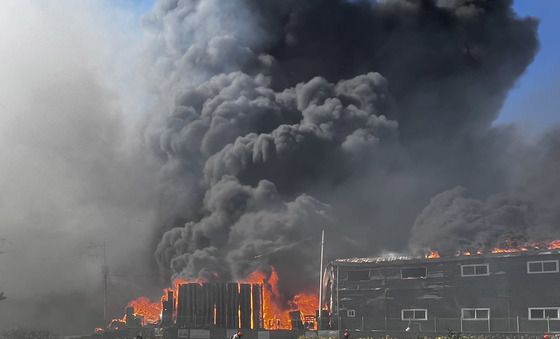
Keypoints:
(237, 335)
(346, 334)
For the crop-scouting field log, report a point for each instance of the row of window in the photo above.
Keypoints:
(470, 270)
(466, 314)
(544, 266)
(535, 313)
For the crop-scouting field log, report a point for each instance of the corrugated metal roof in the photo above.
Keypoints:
(376, 260)
(405, 258)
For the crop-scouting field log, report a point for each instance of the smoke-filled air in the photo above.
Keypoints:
(223, 136)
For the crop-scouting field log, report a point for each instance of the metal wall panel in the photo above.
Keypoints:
(233, 305)
(257, 307)
(245, 305)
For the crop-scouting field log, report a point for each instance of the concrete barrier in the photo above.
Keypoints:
(199, 334)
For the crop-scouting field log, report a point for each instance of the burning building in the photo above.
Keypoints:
(500, 291)
(252, 304)
(223, 305)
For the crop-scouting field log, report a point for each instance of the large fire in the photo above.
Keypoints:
(276, 313)
(511, 247)
(508, 247)
(150, 311)
(146, 309)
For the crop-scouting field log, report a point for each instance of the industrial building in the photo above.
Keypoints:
(511, 292)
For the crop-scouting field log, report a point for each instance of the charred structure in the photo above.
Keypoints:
(221, 305)
(513, 292)
(168, 308)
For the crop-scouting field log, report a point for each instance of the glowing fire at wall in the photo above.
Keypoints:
(150, 311)
(275, 308)
(145, 308)
(276, 313)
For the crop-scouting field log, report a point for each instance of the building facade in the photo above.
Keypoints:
(493, 293)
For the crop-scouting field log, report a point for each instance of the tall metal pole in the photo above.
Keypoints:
(338, 300)
(105, 278)
(321, 280)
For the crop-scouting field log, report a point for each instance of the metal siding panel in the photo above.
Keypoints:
(257, 306)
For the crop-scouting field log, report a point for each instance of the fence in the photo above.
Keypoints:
(403, 335)
(443, 325)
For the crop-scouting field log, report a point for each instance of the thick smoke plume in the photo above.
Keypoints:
(526, 211)
(265, 121)
(286, 117)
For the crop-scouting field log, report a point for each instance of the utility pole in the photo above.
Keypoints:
(321, 280)
(97, 250)
(105, 280)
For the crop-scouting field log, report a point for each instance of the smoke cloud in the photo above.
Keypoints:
(527, 210)
(363, 110)
(232, 132)
(71, 177)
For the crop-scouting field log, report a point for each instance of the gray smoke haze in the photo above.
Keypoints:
(70, 176)
(364, 109)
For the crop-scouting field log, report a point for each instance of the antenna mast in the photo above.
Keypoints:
(105, 278)
(321, 280)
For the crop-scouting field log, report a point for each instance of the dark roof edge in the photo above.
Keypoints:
(392, 260)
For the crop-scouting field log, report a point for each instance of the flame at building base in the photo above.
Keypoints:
(276, 310)
(277, 313)
(146, 309)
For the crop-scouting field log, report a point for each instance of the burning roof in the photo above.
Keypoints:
(507, 249)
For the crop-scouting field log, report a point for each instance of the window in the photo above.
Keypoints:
(414, 273)
(414, 314)
(351, 313)
(475, 313)
(474, 270)
(357, 275)
(543, 266)
(542, 313)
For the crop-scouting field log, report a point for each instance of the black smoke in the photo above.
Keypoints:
(526, 210)
(287, 117)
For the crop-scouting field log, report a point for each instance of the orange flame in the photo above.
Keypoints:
(433, 255)
(554, 245)
(306, 303)
(145, 308)
(510, 247)
(468, 253)
(276, 314)
(150, 311)
(498, 250)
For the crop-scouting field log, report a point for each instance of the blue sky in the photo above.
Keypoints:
(534, 103)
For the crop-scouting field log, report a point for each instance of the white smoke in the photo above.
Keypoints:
(72, 174)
